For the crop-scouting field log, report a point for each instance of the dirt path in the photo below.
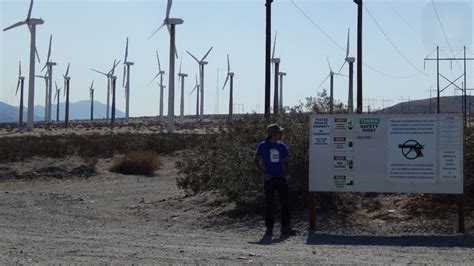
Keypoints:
(129, 219)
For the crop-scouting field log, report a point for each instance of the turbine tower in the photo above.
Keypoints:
(58, 90)
(20, 86)
(91, 98)
(280, 103)
(230, 75)
(201, 64)
(171, 23)
(109, 77)
(276, 62)
(126, 81)
(182, 76)
(31, 23)
(196, 88)
(113, 83)
(67, 80)
(45, 78)
(160, 84)
(350, 61)
(49, 73)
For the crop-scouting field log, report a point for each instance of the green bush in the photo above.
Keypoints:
(137, 163)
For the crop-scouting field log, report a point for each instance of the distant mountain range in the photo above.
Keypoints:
(77, 111)
(448, 104)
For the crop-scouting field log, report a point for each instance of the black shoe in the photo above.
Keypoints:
(269, 232)
(288, 231)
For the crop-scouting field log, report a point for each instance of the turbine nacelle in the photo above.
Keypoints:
(173, 21)
(350, 59)
(276, 60)
(183, 75)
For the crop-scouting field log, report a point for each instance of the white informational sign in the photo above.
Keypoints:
(386, 153)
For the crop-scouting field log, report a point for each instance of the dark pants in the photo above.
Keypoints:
(279, 185)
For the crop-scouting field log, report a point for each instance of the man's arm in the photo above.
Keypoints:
(259, 168)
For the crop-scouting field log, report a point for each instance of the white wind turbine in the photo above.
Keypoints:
(31, 23)
(276, 62)
(56, 97)
(230, 75)
(196, 88)
(350, 60)
(91, 98)
(201, 64)
(171, 23)
(182, 76)
(280, 103)
(49, 65)
(67, 80)
(46, 81)
(160, 74)
(109, 76)
(126, 81)
(20, 86)
(331, 90)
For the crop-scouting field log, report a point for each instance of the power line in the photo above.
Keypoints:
(401, 17)
(342, 48)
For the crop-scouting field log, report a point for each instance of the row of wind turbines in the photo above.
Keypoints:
(170, 23)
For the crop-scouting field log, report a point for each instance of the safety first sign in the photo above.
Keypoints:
(386, 153)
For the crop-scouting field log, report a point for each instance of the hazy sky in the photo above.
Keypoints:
(91, 34)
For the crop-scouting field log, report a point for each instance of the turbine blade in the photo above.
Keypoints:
(15, 25)
(92, 85)
(126, 52)
(195, 58)
(56, 84)
(157, 75)
(341, 67)
(329, 64)
(67, 70)
(274, 44)
(17, 87)
(159, 28)
(168, 8)
(19, 68)
(29, 10)
(322, 82)
(195, 87)
(348, 40)
(228, 64)
(49, 49)
(344, 75)
(207, 54)
(99, 72)
(180, 64)
(225, 83)
(158, 57)
(45, 65)
(124, 75)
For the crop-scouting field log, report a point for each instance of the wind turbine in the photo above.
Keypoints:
(280, 103)
(230, 75)
(350, 61)
(49, 90)
(276, 62)
(196, 88)
(331, 90)
(160, 85)
(58, 90)
(171, 23)
(91, 98)
(67, 80)
(45, 78)
(109, 78)
(126, 81)
(31, 23)
(20, 85)
(201, 64)
(182, 76)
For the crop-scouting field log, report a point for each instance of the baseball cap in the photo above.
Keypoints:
(273, 129)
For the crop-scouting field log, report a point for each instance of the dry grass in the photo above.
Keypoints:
(137, 163)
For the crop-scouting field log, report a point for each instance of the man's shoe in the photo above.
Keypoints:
(288, 231)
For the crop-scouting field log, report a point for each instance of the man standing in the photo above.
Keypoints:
(271, 161)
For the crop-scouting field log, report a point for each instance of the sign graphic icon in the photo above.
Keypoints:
(411, 149)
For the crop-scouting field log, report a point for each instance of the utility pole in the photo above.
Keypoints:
(268, 49)
(451, 82)
(359, 54)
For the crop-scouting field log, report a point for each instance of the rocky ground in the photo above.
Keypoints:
(56, 211)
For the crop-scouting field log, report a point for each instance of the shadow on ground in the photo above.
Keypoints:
(466, 241)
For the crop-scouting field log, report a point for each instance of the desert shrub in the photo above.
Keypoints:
(137, 163)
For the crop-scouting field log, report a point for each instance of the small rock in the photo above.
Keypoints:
(242, 258)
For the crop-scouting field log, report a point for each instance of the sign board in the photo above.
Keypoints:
(386, 153)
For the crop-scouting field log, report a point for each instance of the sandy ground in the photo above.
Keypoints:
(148, 220)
